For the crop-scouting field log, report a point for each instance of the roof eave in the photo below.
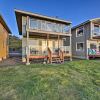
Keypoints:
(4, 24)
(42, 16)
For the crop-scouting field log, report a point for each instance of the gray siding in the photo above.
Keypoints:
(84, 38)
(67, 41)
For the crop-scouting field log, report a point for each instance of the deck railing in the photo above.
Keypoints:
(66, 49)
(40, 50)
(37, 50)
(96, 32)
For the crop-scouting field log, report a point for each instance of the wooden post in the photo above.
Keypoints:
(27, 42)
(58, 46)
(70, 44)
(49, 56)
(58, 41)
(47, 40)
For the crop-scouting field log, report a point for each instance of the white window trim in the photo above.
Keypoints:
(93, 28)
(30, 23)
(78, 29)
(78, 49)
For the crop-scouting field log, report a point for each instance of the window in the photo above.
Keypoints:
(24, 29)
(23, 25)
(33, 23)
(54, 27)
(43, 25)
(49, 26)
(80, 32)
(93, 46)
(65, 28)
(39, 24)
(80, 46)
(96, 29)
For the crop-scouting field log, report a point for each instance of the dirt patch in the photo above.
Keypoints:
(11, 62)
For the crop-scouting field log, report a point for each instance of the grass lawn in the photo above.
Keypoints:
(77, 80)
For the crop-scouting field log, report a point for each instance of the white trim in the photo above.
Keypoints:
(78, 29)
(78, 49)
(94, 31)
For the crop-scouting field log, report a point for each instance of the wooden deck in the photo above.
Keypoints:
(37, 57)
(94, 56)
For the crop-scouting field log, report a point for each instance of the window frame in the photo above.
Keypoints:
(93, 44)
(35, 20)
(79, 49)
(94, 29)
(78, 30)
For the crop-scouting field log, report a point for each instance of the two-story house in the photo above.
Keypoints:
(44, 37)
(4, 36)
(86, 39)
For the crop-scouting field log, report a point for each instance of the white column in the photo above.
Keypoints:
(27, 43)
(70, 44)
(87, 46)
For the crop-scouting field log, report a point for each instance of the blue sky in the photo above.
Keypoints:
(76, 11)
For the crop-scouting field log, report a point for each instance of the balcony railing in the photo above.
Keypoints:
(96, 33)
(40, 25)
(66, 49)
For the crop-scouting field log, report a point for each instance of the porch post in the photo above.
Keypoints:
(58, 41)
(47, 40)
(70, 44)
(27, 44)
(48, 59)
(87, 44)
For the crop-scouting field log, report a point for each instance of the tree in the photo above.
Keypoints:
(15, 43)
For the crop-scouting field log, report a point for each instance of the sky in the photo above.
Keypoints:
(76, 11)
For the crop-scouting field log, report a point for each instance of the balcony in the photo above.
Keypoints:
(41, 26)
(96, 34)
(96, 31)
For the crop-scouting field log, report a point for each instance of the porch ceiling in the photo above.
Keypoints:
(45, 33)
(44, 36)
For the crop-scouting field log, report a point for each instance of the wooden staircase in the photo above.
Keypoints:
(55, 57)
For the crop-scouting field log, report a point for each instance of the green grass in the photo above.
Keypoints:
(77, 80)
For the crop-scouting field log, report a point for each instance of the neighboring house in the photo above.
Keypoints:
(44, 37)
(86, 39)
(4, 35)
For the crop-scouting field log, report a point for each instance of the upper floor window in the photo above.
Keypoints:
(24, 25)
(80, 32)
(33, 23)
(48, 26)
(96, 29)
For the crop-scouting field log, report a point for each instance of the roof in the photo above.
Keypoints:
(4, 24)
(91, 20)
(20, 13)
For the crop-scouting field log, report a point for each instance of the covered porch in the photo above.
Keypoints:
(49, 47)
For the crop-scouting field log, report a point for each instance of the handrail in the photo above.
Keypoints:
(61, 54)
(49, 55)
